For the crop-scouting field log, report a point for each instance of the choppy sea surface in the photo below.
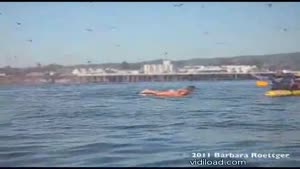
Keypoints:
(111, 125)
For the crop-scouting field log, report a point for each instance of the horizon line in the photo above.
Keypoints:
(228, 57)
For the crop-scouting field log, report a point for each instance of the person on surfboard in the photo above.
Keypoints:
(170, 93)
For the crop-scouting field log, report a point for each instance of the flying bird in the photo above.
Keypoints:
(112, 28)
(206, 33)
(284, 29)
(270, 5)
(29, 40)
(178, 5)
(18, 23)
(89, 30)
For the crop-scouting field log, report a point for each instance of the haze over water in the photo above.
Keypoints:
(110, 125)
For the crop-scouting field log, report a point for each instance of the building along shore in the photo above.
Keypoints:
(164, 72)
(121, 78)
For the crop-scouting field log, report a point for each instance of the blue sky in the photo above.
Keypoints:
(143, 30)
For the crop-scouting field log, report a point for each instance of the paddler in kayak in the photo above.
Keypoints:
(280, 81)
(296, 85)
(170, 93)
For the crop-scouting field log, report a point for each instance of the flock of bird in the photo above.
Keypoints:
(112, 28)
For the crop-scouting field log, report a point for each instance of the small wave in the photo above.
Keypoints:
(94, 148)
(140, 126)
(110, 125)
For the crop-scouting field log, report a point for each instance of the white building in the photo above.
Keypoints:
(91, 70)
(82, 71)
(160, 68)
(76, 72)
(146, 68)
(225, 68)
(134, 72)
(150, 69)
(200, 68)
(111, 70)
(51, 73)
(2, 74)
(165, 67)
(240, 68)
(100, 71)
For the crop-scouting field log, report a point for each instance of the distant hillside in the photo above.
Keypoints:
(273, 62)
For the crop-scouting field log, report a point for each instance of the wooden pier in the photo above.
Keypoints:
(119, 78)
(126, 78)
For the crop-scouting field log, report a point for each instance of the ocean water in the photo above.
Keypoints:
(111, 125)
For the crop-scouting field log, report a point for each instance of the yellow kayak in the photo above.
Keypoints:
(276, 93)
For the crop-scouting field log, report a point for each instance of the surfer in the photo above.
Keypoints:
(170, 93)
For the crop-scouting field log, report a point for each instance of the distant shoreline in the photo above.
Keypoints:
(286, 60)
(115, 78)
